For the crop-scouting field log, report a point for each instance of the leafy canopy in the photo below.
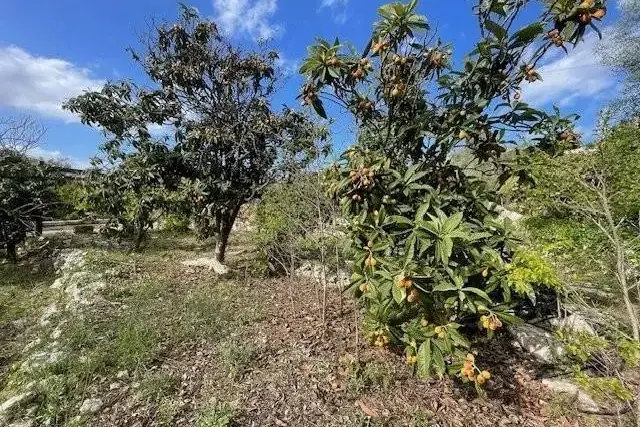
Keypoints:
(430, 259)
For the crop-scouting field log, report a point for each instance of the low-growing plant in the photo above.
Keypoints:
(431, 261)
(217, 414)
(604, 389)
(295, 221)
(581, 346)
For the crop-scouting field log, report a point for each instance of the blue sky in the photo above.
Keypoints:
(52, 50)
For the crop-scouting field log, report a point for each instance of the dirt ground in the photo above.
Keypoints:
(271, 361)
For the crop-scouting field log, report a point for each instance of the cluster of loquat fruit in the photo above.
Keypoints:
(490, 322)
(405, 282)
(472, 373)
(379, 338)
(309, 94)
(530, 74)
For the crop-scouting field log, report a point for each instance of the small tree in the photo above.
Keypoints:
(217, 99)
(26, 190)
(431, 262)
(622, 51)
(599, 185)
(20, 134)
(129, 182)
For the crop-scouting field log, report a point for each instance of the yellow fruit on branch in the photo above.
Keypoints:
(584, 18)
(370, 261)
(413, 296)
(587, 4)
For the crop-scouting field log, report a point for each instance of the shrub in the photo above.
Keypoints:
(430, 260)
(175, 223)
(557, 179)
(72, 200)
(295, 220)
(26, 194)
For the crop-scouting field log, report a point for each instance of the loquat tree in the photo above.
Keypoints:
(217, 100)
(432, 263)
(27, 190)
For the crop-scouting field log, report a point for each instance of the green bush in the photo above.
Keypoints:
(431, 262)
(175, 223)
(558, 187)
(295, 221)
(72, 201)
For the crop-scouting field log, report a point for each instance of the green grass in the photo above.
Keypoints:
(217, 415)
(158, 385)
(367, 376)
(152, 310)
(237, 356)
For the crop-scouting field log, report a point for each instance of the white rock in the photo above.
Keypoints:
(210, 263)
(90, 406)
(122, 374)
(538, 342)
(23, 423)
(114, 386)
(47, 313)
(576, 323)
(57, 332)
(58, 283)
(15, 402)
(584, 402)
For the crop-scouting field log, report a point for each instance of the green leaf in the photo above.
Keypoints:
(319, 108)
(495, 29)
(437, 358)
(399, 294)
(444, 287)
(424, 359)
(482, 294)
(452, 223)
(527, 34)
(422, 210)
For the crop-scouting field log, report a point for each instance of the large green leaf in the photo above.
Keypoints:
(424, 359)
(495, 29)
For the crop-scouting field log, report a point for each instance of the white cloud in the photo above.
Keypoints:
(56, 155)
(287, 66)
(331, 3)
(40, 84)
(338, 9)
(250, 17)
(573, 77)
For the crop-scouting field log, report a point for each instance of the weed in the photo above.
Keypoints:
(136, 342)
(366, 376)
(237, 356)
(217, 415)
(158, 385)
(166, 411)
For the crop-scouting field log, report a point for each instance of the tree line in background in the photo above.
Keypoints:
(433, 267)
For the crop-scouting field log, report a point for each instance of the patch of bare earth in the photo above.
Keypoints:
(301, 374)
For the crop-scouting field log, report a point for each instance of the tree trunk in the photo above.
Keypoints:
(226, 224)
(621, 266)
(140, 234)
(38, 222)
(12, 254)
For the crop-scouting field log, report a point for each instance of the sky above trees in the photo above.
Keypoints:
(50, 51)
